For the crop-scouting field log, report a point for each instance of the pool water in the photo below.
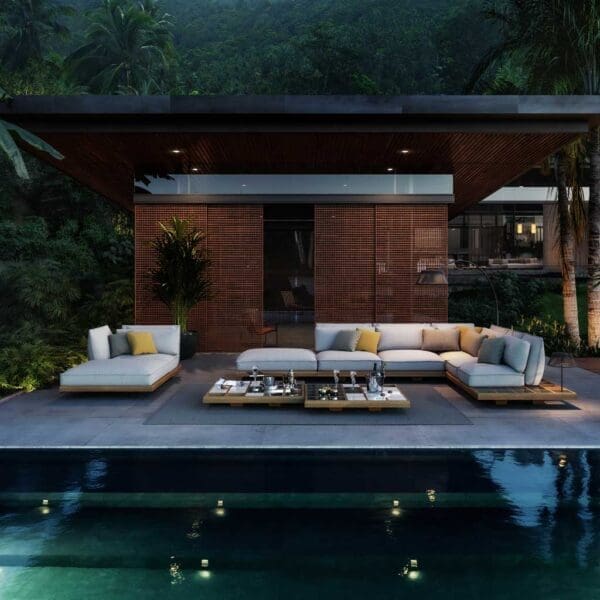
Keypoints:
(482, 524)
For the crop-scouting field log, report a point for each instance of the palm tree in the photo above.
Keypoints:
(29, 24)
(571, 224)
(557, 43)
(8, 145)
(129, 48)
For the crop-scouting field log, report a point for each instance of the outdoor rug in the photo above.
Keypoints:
(184, 407)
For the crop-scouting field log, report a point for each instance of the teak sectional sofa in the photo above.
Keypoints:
(400, 347)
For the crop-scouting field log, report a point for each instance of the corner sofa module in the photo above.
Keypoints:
(277, 359)
(478, 375)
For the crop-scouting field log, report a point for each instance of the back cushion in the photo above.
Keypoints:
(401, 336)
(501, 330)
(325, 333)
(98, 345)
(166, 337)
(451, 325)
(536, 363)
(516, 353)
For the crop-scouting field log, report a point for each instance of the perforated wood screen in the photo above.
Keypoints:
(234, 242)
(367, 260)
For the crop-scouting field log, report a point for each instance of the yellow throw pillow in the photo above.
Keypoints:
(368, 340)
(141, 342)
(464, 329)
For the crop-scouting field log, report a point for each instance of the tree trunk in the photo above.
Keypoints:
(593, 290)
(567, 251)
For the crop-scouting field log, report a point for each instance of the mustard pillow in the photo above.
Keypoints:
(141, 342)
(368, 340)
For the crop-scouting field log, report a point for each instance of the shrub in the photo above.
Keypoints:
(556, 338)
(32, 365)
(517, 297)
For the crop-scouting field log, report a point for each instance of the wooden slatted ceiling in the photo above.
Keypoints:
(481, 162)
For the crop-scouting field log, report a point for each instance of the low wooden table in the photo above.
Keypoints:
(241, 395)
(358, 398)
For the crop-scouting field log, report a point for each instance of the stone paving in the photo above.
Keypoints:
(47, 419)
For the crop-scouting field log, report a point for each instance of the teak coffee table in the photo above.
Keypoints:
(358, 397)
(240, 393)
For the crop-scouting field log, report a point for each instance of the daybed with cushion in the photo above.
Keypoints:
(489, 363)
(113, 366)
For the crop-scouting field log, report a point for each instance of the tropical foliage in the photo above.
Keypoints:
(180, 278)
(128, 48)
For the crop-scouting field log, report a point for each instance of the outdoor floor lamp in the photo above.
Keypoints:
(438, 277)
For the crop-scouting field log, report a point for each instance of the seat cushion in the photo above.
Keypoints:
(484, 375)
(456, 359)
(412, 360)
(325, 333)
(277, 359)
(401, 336)
(124, 370)
(346, 361)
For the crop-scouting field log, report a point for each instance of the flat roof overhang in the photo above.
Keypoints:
(484, 141)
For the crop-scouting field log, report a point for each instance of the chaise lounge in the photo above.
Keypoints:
(109, 371)
(418, 350)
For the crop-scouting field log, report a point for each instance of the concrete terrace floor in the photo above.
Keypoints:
(46, 419)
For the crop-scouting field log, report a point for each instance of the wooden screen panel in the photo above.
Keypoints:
(344, 263)
(409, 239)
(235, 243)
(429, 251)
(149, 310)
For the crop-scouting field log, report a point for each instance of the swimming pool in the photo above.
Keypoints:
(486, 523)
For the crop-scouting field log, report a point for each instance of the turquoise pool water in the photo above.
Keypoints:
(483, 524)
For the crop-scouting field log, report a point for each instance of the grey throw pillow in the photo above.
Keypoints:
(491, 351)
(118, 344)
(441, 340)
(346, 340)
(516, 353)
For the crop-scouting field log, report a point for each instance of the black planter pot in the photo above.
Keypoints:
(188, 344)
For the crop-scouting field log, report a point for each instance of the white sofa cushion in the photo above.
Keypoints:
(325, 333)
(456, 359)
(277, 359)
(346, 361)
(401, 336)
(451, 325)
(98, 345)
(412, 360)
(124, 370)
(166, 337)
(484, 375)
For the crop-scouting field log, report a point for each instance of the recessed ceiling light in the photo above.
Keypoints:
(390, 169)
(176, 151)
(195, 169)
(404, 151)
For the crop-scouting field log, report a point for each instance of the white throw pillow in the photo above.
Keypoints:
(98, 346)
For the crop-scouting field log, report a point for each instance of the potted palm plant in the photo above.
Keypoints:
(179, 279)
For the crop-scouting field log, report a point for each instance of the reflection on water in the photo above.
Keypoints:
(493, 524)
